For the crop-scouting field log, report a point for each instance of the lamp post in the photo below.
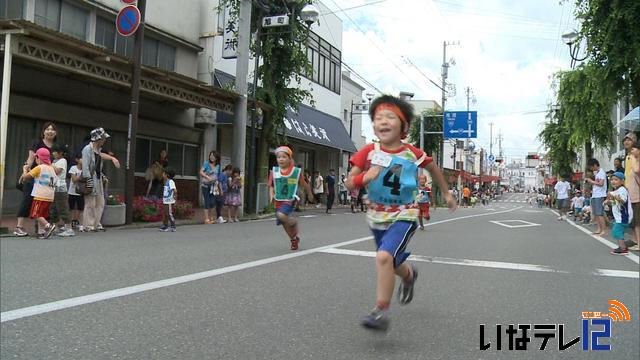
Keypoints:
(573, 40)
(309, 14)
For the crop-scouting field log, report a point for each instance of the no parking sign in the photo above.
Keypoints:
(128, 20)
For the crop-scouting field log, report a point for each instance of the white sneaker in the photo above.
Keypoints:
(67, 232)
(221, 220)
(559, 218)
(634, 248)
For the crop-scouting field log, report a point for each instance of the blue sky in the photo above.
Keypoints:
(508, 51)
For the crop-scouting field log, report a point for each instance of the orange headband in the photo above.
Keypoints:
(391, 107)
(285, 149)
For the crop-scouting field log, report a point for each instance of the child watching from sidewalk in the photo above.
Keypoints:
(169, 196)
(283, 182)
(577, 203)
(59, 213)
(76, 201)
(390, 171)
(43, 190)
(622, 212)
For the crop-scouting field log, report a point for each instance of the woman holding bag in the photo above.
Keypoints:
(209, 173)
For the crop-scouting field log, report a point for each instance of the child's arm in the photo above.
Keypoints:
(438, 178)
(358, 179)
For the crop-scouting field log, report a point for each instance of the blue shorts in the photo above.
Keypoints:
(617, 231)
(395, 239)
(285, 208)
(577, 211)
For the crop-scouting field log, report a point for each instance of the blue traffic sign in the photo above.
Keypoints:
(456, 124)
(492, 158)
(128, 20)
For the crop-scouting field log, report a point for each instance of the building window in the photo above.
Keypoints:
(11, 9)
(62, 16)
(106, 34)
(325, 62)
(159, 54)
(183, 158)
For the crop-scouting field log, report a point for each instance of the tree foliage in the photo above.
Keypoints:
(613, 43)
(284, 61)
(555, 137)
(431, 123)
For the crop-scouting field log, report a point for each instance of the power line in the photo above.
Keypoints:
(423, 74)
(362, 78)
(355, 7)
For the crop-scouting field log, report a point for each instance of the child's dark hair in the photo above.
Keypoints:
(171, 173)
(405, 107)
(593, 162)
(236, 170)
(228, 167)
(62, 149)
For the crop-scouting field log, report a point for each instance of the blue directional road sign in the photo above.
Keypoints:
(456, 124)
(492, 158)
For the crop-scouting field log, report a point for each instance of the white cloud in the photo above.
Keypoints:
(507, 51)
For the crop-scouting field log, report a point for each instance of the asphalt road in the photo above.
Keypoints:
(235, 291)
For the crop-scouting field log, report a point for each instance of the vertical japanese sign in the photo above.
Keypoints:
(230, 35)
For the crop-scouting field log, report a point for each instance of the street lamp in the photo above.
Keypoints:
(573, 40)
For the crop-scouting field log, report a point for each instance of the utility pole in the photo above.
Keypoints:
(242, 70)
(491, 147)
(133, 116)
(445, 74)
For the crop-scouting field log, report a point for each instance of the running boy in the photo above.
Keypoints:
(43, 190)
(423, 199)
(169, 196)
(622, 212)
(390, 171)
(283, 182)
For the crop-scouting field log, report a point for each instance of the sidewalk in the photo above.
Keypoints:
(10, 221)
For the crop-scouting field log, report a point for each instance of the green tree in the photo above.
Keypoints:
(613, 43)
(432, 123)
(284, 62)
(555, 137)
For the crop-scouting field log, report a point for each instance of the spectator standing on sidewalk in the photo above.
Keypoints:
(599, 193)
(92, 164)
(466, 195)
(43, 176)
(318, 188)
(169, 197)
(342, 188)
(617, 162)
(622, 212)
(76, 201)
(562, 189)
(331, 189)
(59, 211)
(208, 180)
(632, 183)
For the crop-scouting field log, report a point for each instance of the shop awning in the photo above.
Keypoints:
(319, 128)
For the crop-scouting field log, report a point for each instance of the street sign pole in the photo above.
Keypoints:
(133, 115)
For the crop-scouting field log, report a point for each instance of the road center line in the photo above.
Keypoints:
(129, 290)
(486, 264)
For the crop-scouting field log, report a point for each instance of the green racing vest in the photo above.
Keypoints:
(285, 186)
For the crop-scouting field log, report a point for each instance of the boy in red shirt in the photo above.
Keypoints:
(284, 180)
(389, 171)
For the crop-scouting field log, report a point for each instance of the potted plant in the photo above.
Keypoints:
(115, 211)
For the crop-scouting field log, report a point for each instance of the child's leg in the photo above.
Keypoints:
(420, 219)
(165, 215)
(394, 241)
(172, 220)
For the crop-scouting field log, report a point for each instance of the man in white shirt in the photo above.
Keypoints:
(562, 189)
(598, 194)
(318, 187)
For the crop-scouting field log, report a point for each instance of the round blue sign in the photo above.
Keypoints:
(128, 20)
(492, 158)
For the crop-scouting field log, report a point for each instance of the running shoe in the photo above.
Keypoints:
(100, 228)
(294, 243)
(173, 229)
(405, 290)
(376, 320)
(221, 220)
(20, 232)
(164, 228)
(620, 251)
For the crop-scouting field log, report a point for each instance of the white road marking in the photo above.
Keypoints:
(607, 243)
(486, 264)
(504, 223)
(116, 293)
